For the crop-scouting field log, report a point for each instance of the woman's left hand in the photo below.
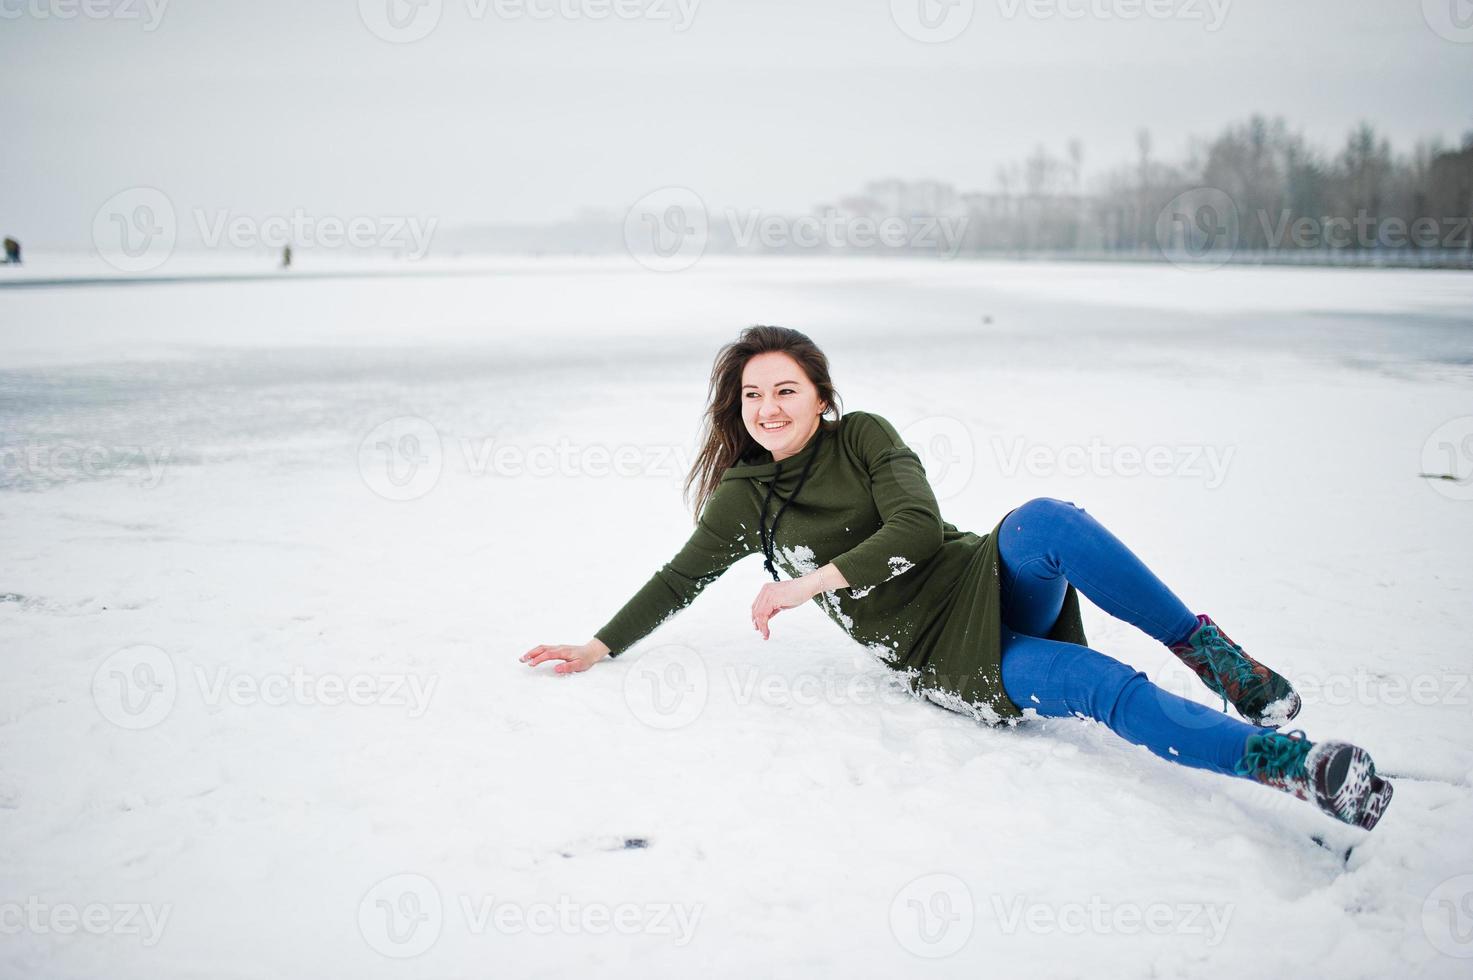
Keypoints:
(777, 596)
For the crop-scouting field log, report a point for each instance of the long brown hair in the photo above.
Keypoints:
(724, 437)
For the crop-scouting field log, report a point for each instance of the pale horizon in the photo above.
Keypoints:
(504, 119)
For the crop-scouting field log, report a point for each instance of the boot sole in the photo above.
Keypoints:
(1346, 786)
(1376, 803)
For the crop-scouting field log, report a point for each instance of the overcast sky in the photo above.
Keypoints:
(496, 115)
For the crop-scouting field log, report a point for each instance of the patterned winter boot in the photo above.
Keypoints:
(1262, 696)
(1339, 778)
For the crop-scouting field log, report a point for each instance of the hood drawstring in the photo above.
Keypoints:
(769, 536)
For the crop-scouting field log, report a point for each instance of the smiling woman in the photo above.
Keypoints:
(981, 624)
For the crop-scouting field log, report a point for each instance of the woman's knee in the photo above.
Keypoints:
(1044, 509)
(1039, 517)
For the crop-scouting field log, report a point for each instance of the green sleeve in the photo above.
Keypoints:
(720, 540)
(911, 526)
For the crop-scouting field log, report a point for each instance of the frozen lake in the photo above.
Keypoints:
(270, 550)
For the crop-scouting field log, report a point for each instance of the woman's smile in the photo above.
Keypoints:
(774, 381)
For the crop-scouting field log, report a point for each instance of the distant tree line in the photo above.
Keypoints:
(1256, 190)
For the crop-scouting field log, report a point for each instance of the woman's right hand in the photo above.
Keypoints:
(575, 658)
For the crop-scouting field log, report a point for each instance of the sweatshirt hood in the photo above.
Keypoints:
(762, 466)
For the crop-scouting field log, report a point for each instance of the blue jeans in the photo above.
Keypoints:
(1047, 544)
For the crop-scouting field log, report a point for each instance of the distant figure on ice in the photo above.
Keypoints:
(984, 624)
(12, 252)
(286, 257)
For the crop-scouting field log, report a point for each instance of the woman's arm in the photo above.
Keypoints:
(911, 526)
(826, 579)
(910, 529)
(718, 542)
(774, 597)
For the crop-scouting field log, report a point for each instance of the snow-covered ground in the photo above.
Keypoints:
(270, 550)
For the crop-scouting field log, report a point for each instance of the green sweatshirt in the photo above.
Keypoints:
(922, 595)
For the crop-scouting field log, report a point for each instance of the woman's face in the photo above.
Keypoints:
(776, 390)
